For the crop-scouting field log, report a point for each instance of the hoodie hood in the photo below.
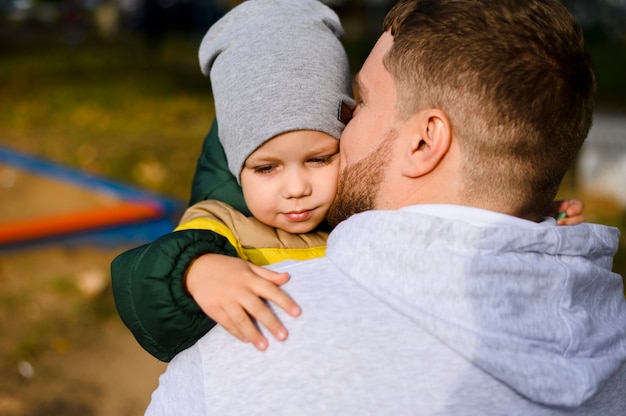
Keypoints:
(535, 306)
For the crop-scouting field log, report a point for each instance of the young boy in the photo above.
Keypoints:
(279, 76)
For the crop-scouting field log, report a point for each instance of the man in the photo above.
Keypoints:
(450, 295)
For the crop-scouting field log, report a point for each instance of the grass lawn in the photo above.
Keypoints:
(120, 109)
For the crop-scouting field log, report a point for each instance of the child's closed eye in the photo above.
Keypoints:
(322, 160)
(264, 169)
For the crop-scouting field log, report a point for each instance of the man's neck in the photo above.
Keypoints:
(474, 215)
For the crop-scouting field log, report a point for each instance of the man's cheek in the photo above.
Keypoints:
(349, 145)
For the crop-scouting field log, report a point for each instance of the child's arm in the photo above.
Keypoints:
(150, 296)
(148, 281)
(232, 291)
(569, 212)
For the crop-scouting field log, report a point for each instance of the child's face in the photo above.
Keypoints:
(291, 180)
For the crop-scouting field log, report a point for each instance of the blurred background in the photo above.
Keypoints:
(112, 88)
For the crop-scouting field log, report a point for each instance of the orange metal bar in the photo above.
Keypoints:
(58, 225)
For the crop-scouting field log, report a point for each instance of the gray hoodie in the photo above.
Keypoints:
(429, 310)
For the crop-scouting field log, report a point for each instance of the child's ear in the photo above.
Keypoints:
(427, 135)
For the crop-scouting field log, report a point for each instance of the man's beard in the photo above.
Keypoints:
(360, 183)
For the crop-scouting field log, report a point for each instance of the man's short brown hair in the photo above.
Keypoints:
(515, 81)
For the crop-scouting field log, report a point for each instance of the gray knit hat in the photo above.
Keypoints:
(275, 66)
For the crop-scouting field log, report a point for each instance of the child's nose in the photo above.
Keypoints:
(297, 184)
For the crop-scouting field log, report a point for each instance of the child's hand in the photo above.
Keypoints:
(231, 292)
(568, 212)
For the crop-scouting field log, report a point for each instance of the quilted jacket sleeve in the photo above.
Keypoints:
(150, 296)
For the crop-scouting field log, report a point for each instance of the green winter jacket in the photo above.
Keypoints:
(213, 179)
(148, 280)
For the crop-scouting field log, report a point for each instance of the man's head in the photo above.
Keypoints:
(489, 101)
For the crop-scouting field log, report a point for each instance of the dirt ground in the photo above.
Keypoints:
(63, 349)
(60, 357)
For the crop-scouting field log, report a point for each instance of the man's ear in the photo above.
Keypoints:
(428, 136)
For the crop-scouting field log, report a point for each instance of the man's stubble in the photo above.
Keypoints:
(360, 183)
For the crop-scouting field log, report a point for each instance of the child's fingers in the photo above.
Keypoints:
(266, 317)
(273, 293)
(573, 212)
(222, 318)
(242, 323)
(567, 212)
(263, 289)
(233, 293)
(270, 275)
(575, 207)
(571, 220)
